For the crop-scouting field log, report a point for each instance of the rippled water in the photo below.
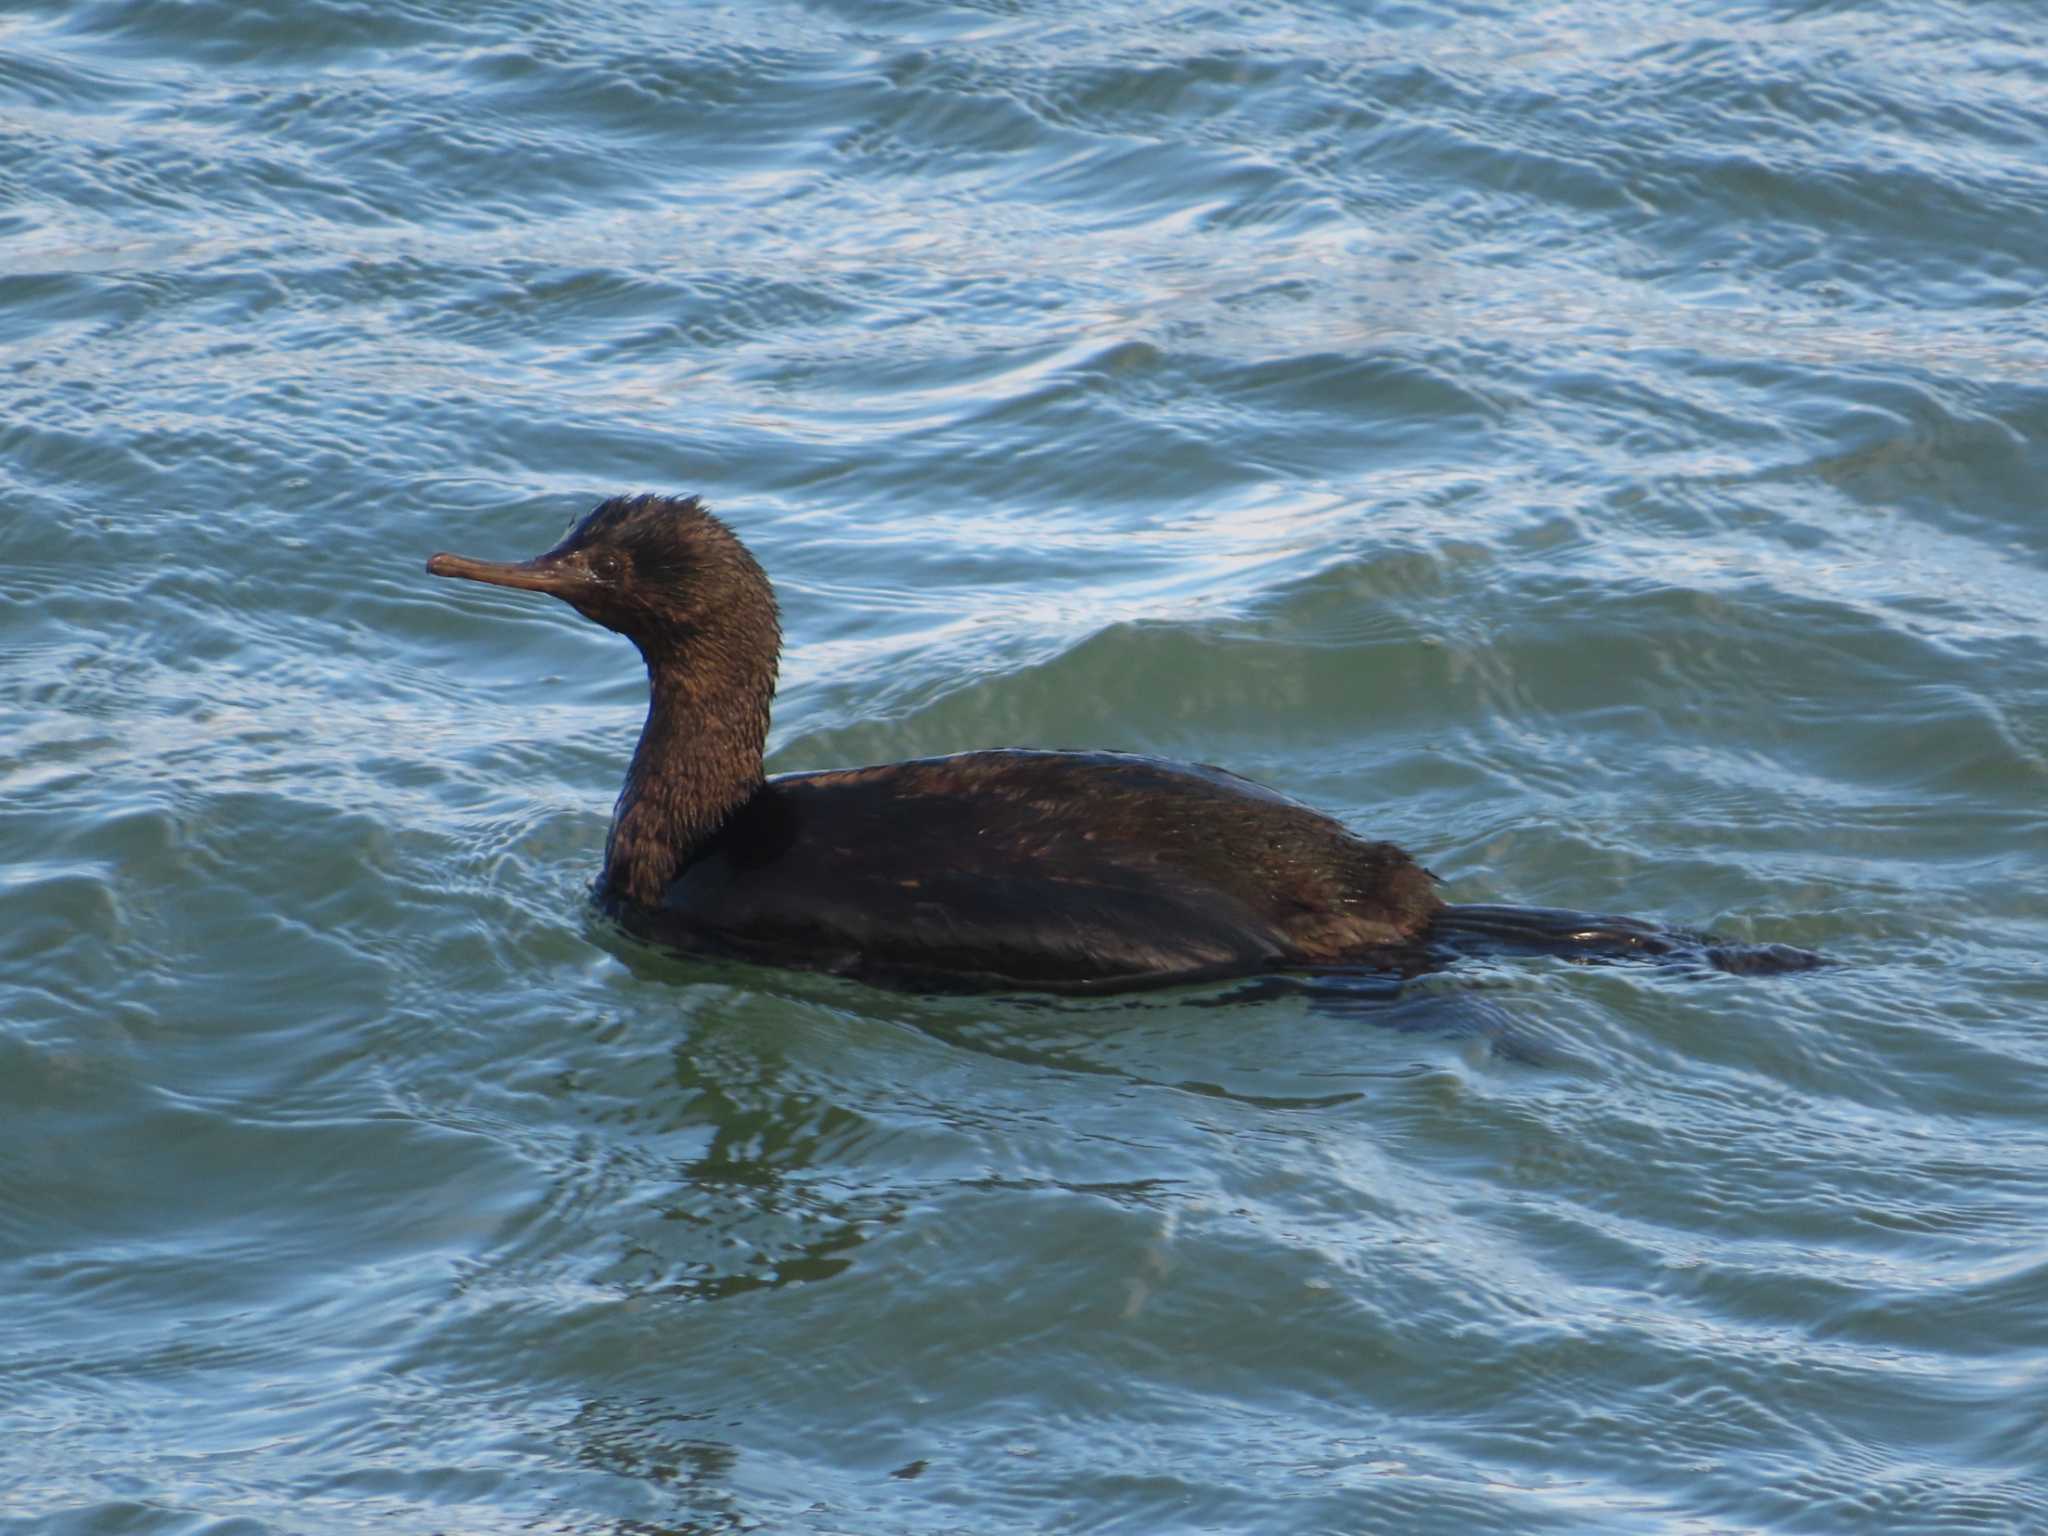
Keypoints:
(1597, 446)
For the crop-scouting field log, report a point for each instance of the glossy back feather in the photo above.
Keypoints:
(1038, 868)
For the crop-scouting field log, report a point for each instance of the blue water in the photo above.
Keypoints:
(1598, 447)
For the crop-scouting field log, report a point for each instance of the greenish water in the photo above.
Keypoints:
(1598, 447)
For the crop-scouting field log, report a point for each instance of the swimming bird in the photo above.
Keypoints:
(1013, 869)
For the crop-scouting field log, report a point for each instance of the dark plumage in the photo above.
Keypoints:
(1055, 871)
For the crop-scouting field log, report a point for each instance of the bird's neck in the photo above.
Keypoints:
(699, 760)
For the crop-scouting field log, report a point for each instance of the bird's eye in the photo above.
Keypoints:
(606, 565)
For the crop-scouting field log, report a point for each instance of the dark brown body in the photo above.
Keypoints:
(1013, 870)
(1052, 871)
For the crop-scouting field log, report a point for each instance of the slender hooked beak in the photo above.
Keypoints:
(528, 575)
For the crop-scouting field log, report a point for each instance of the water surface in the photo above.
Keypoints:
(1596, 446)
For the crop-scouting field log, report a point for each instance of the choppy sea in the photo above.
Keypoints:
(1599, 446)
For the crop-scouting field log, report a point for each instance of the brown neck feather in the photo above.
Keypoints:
(699, 760)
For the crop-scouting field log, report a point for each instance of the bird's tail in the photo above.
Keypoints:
(1594, 938)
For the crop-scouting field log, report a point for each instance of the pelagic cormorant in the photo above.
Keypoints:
(1000, 870)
